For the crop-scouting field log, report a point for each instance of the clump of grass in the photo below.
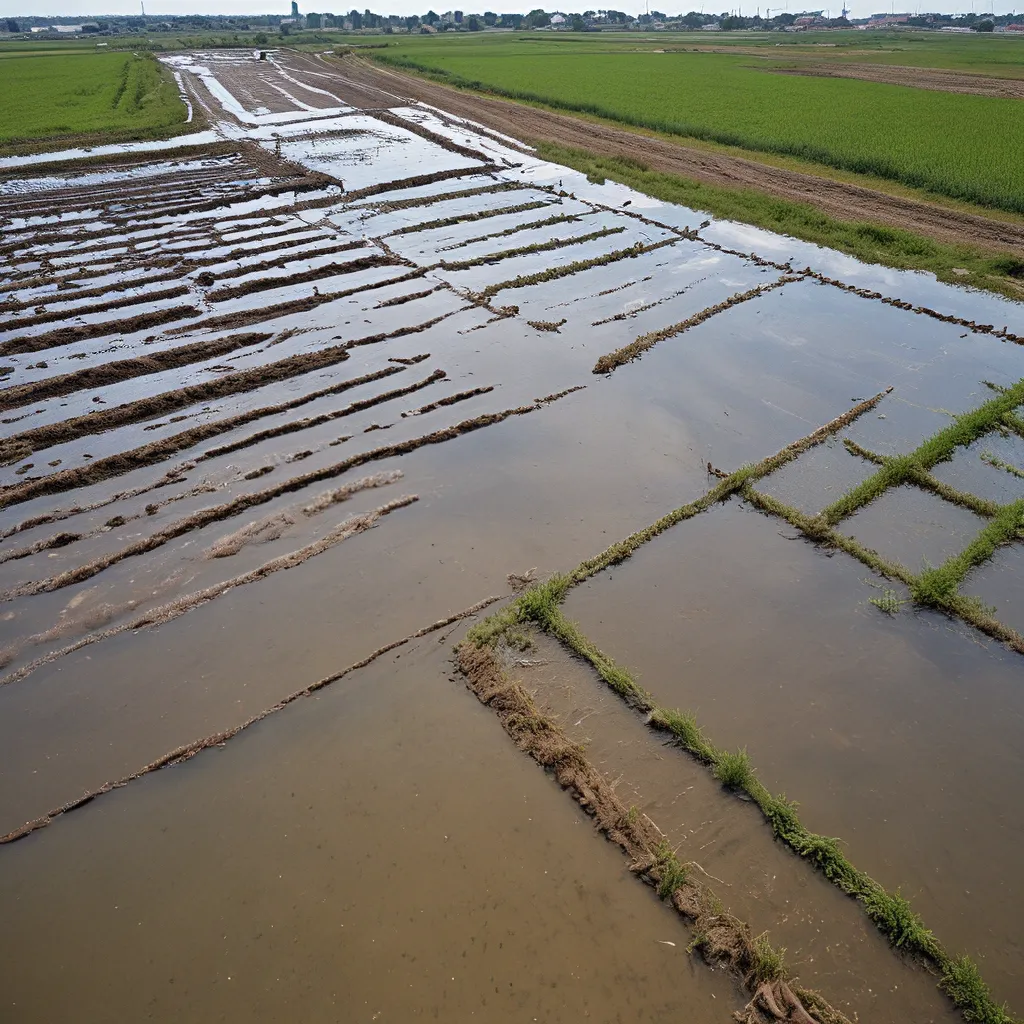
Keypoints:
(889, 602)
(962, 980)
(998, 463)
(734, 769)
(673, 873)
(767, 962)
(893, 914)
(683, 725)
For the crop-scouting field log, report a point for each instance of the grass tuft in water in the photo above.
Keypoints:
(889, 602)
(767, 962)
(734, 769)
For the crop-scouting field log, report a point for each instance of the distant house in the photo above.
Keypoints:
(558, 20)
(711, 26)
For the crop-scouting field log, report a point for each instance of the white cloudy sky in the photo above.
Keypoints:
(81, 8)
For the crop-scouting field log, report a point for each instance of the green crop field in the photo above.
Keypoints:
(78, 93)
(960, 146)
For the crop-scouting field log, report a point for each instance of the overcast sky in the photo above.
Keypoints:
(83, 8)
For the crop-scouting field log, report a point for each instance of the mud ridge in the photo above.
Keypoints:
(69, 335)
(866, 293)
(156, 451)
(217, 513)
(554, 273)
(124, 369)
(564, 218)
(274, 526)
(722, 939)
(460, 396)
(638, 346)
(294, 426)
(19, 446)
(289, 257)
(391, 205)
(189, 750)
(447, 222)
(416, 181)
(303, 277)
(261, 314)
(526, 250)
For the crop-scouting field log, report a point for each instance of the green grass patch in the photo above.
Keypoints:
(870, 243)
(87, 93)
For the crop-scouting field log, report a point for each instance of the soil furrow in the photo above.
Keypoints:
(125, 369)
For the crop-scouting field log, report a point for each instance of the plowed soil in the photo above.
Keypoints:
(935, 79)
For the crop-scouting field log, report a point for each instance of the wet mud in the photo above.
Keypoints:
(161, 471)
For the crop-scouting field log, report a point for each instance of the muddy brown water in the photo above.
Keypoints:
(830, 945)
(899, 735)
(381, 854)
(889, 736)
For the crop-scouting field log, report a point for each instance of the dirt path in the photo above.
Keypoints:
(839, 200)
(934, 79)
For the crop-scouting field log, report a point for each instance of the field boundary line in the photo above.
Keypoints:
(892, 913)
(189, 750)
(721, 938)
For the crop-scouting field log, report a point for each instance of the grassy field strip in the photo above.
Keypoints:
(127, 95)
(189, 750)
(891, 912)
(868, 242)
(959, 146)
(722, 939)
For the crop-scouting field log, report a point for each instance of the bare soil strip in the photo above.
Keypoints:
(125, 369)
(934, 79)
(189, 750)
(842, 201)
(156, 451)
(217, 513)
(83, 332)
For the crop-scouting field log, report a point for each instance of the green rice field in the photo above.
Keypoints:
(962, 146)
(81, 93)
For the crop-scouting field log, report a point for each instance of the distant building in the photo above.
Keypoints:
(711, 26)
(557, 20)
(883, 20)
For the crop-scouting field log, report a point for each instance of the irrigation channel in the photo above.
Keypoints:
(291, 403)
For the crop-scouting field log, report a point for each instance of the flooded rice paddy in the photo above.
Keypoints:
(322, 379)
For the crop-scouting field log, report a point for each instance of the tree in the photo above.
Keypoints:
(984, 26)
(472, 24)
(577, 24)
(12, 25)
(314, 21)
(490, 19)
(356, 19)
(431, 18)
(538, 18)
(261, 39)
